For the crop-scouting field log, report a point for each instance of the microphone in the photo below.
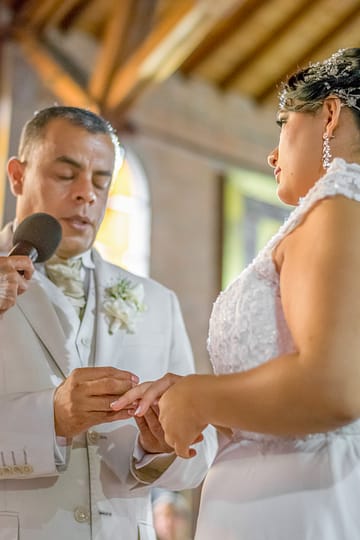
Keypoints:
(37, 237)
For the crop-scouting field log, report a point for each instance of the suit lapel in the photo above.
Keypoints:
(107, 347)
(6, 235)
(41, 315)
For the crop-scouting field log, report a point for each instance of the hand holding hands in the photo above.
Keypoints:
(181, 417)
(15, 274)
(177, 427)
(83, 399)
(146, 396)
(152, 437)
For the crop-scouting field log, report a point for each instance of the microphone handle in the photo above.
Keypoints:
(25, 248)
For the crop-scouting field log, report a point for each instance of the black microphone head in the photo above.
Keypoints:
(41, 231)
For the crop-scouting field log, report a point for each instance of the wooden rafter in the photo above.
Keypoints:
(141, 22)
(37, 13)
(113, 41)
(266, 42)
(305, 59)
(89, 16)
(52, 74)
(166, 47)
(56, 17)
(74, 13)
(222, 32)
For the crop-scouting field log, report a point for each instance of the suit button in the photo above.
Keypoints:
(86, 341)
(81, 514)
(93, 437)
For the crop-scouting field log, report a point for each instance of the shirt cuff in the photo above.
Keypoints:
(142, 458)
(62, 447)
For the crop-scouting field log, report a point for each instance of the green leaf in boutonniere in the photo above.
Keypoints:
(123, 305)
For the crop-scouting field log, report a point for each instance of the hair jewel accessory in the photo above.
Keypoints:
(334, 66)
(329, 72)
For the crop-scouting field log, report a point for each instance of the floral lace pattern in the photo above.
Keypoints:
(247, 324)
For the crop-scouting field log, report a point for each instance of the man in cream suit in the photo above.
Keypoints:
(70, 466)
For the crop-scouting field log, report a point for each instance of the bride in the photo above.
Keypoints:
(284, 340)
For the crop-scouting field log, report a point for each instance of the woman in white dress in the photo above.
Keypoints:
(285, 340)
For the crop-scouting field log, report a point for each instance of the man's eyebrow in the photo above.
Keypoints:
(69, 160)
(74, 163)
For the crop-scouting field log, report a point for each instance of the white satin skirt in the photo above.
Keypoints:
(283, 490)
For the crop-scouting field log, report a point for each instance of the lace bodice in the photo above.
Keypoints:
(247, 324)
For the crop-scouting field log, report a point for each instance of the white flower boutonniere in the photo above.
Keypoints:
(123, 304)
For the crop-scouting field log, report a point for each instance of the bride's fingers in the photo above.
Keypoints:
(147, 393)
(132, 395)
(155, 391)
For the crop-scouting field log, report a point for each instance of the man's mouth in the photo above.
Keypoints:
(78, 222)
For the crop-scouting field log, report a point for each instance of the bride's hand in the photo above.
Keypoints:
(180, 416)
(145, 394)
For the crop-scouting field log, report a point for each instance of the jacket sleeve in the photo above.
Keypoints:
(27, 435)
(166, 470)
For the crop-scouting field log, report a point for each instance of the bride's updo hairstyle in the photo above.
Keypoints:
(338, 76)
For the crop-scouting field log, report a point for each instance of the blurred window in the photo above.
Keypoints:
(124, 235)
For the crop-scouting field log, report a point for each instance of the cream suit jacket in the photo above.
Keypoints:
(97, 494)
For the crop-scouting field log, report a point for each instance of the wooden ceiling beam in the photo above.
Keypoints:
(305, 59)
(166, 48)
(74, 14)
(223, 31)
(226, 82)
(52, 74)
(37, 13)
(57, 17)
(112, 44)
(143, 18)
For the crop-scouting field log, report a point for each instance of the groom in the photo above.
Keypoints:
(76, 333)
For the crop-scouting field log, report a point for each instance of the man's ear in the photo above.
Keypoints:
(15, 170)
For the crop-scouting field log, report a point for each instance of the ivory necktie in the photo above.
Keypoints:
(66, 274)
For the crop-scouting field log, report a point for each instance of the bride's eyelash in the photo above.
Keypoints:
(281, 121)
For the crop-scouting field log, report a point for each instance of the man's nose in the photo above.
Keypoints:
(84, 190)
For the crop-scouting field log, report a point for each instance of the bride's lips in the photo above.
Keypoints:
(78, 222)
(276, 173)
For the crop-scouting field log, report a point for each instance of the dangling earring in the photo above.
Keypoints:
(326, 152)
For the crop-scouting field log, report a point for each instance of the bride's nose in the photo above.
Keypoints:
(273, 158)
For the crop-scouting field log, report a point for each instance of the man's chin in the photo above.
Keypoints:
(73, 248)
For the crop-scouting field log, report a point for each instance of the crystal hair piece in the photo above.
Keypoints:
(333, 69)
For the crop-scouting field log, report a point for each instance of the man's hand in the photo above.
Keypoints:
(15, 273)
(151, 433)
(145, 397)
(83, 399)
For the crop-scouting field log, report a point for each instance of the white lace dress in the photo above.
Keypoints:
(264, 487)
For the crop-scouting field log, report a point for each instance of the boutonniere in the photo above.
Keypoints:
(123, 304)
